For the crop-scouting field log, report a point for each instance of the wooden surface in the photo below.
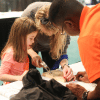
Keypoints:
(55, 74)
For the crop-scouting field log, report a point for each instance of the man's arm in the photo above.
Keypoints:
(78, 91)
(93, 95)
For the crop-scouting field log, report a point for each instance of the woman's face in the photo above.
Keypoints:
(48, 32)
(30, 39)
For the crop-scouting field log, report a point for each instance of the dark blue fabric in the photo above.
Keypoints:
(56, 65)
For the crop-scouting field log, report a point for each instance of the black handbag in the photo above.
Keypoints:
(35, 88)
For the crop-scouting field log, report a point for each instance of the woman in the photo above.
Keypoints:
(50, 41)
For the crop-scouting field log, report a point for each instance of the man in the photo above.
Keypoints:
(75, 19)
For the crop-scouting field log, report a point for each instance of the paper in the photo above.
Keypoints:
(10, 89)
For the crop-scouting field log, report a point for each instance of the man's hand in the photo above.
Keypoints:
(77, 90)
(82, 76)
(36, 61)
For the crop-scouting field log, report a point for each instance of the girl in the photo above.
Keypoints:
(15, 62)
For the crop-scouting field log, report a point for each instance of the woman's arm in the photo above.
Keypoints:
(67, 71)
(63, 62)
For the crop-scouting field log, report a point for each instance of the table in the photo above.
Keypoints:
(12, 14)
(7, 90)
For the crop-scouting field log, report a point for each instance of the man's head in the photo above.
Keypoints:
(65, 14)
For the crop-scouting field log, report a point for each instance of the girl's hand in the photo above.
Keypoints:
(21, 76)
(25, 72)
(36, 61)
(68, 73)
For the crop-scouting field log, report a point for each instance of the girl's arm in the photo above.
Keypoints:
(12, 78)
(6, 67)
(32, 53)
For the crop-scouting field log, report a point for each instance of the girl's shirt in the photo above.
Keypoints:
(11, 67)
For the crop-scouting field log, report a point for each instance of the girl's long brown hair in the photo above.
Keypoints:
(57, 41)
(17, 38)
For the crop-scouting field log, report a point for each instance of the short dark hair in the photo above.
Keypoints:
(62, 9)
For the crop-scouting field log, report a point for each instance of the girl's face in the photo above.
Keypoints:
(30, 39)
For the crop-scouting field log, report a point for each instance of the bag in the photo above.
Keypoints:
(35, 88)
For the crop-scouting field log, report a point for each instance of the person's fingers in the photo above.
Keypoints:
(81, 78)
(64, 73)
(67, 85)
(70, 76)
(33, 61)
(70, 85)
(40, 60)
(37, 63)
(68, 73)
(79, 75)
(74, 78)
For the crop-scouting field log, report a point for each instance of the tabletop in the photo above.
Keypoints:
(13, 88)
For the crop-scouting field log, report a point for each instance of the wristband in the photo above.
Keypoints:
(85, 94)
(64, 65)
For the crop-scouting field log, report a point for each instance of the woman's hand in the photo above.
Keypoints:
(68, 73)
